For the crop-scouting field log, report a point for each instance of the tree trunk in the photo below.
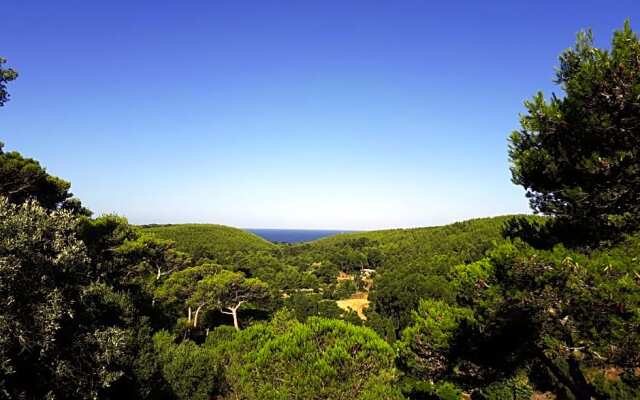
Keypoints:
(575, 381)
(234, 313)
(195, 317)
(189, 315)
(585, 389)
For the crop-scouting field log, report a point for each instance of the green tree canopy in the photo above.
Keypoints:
(397, 292)
(426, 344)
(193, 372)
(556, 311)
(226, 292)
(177, 290)
(152, 259)
(321, 359)
(578, 155)
(24, 178)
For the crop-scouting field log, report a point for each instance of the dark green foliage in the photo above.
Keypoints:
(565, 312)
(349, 259)
(448, 391)
(23, 178)
(536, 231)
(428, 390)
(383, 325)
(344, 289)
(326, 271)
(149, 261)
(516, 388)
(144, 380)
(304, 305)
(102, 237)
(563, 316)
(269, 268)
(104, 234)
(60, 335)
(178, 288)
(623, 387)
(192, 371)
(6, 75)
(578, 155)
(398, 292)
(426, 346)
(320, 359)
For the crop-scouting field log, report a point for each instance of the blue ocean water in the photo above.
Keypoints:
(294, 235)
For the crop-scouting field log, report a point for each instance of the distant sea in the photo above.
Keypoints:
(294, 235)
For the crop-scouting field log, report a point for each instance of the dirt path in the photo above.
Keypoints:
(358, 302)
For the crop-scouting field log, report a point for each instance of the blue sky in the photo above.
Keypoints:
(286, 114)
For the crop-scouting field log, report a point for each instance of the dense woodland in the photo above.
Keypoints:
(513, 307)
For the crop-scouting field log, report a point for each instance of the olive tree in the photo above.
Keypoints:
(47, 325)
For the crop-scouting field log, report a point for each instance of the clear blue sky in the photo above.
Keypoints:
(287, 114)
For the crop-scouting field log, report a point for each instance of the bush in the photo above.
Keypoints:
(321, 359)
(344, 289)
(193, 372)
(516, 388)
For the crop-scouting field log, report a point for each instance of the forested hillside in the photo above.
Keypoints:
(207, 240)
(409, 264)
(453, 243)
(504, 308)
(449, 244)
(405, 264)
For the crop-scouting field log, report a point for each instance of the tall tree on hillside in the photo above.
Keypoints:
(578, 155)
(6, 75)
(155, 257)
(178, 288)
(227, 291)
